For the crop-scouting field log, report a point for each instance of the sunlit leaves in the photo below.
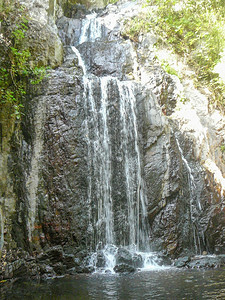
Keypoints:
(193, 29)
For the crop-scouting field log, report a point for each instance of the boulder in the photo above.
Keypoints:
(182, 262)
(123, 256)
(137, 261)
(101, 261)
(124, 268)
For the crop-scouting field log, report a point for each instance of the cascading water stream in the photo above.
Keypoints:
(137, 225)
(91, 29)
(133, 233)
(105, 210)
(190, 176)
(100, 153)
(193, 204)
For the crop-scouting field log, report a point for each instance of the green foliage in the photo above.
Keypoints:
(15, 70)
(135, 26)
(193, 29)
(167, 67)
(38, 74)
(222, 148)
(112, 1)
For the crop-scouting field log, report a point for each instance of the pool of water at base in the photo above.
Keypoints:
(165, 284)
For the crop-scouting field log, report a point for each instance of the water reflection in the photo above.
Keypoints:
(164, 284)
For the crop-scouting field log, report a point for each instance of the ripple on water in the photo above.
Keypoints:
(156, 284)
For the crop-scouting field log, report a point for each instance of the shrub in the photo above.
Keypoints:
(15, 70)
(194, 29)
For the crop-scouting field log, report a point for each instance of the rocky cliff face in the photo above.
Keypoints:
(48, 161)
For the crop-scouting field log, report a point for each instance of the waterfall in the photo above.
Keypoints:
(195, 206)
(91, 29)
(137, 225)
(192, 185)
(111, 130)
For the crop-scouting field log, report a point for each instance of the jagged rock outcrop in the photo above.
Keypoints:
(42, 37)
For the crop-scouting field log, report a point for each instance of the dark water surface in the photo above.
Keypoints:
(162, 284)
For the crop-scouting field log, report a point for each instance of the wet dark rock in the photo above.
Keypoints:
(69, 261)
(7, 272)
(59, 268)
(85, 269)
(46, 269)
(107, 58)
(206, 262)
(46, 265)
(123, 256)
(124, 268)
(137, 261)
(42, 257)
(72, 271)
(20, 269)
(101, 261)
(182, 262)
(69, 37)
(55, 254)
(163, 260)
(199, 262)
(77, 261)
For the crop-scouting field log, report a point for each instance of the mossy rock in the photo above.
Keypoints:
(44, 45)
(69, 5)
